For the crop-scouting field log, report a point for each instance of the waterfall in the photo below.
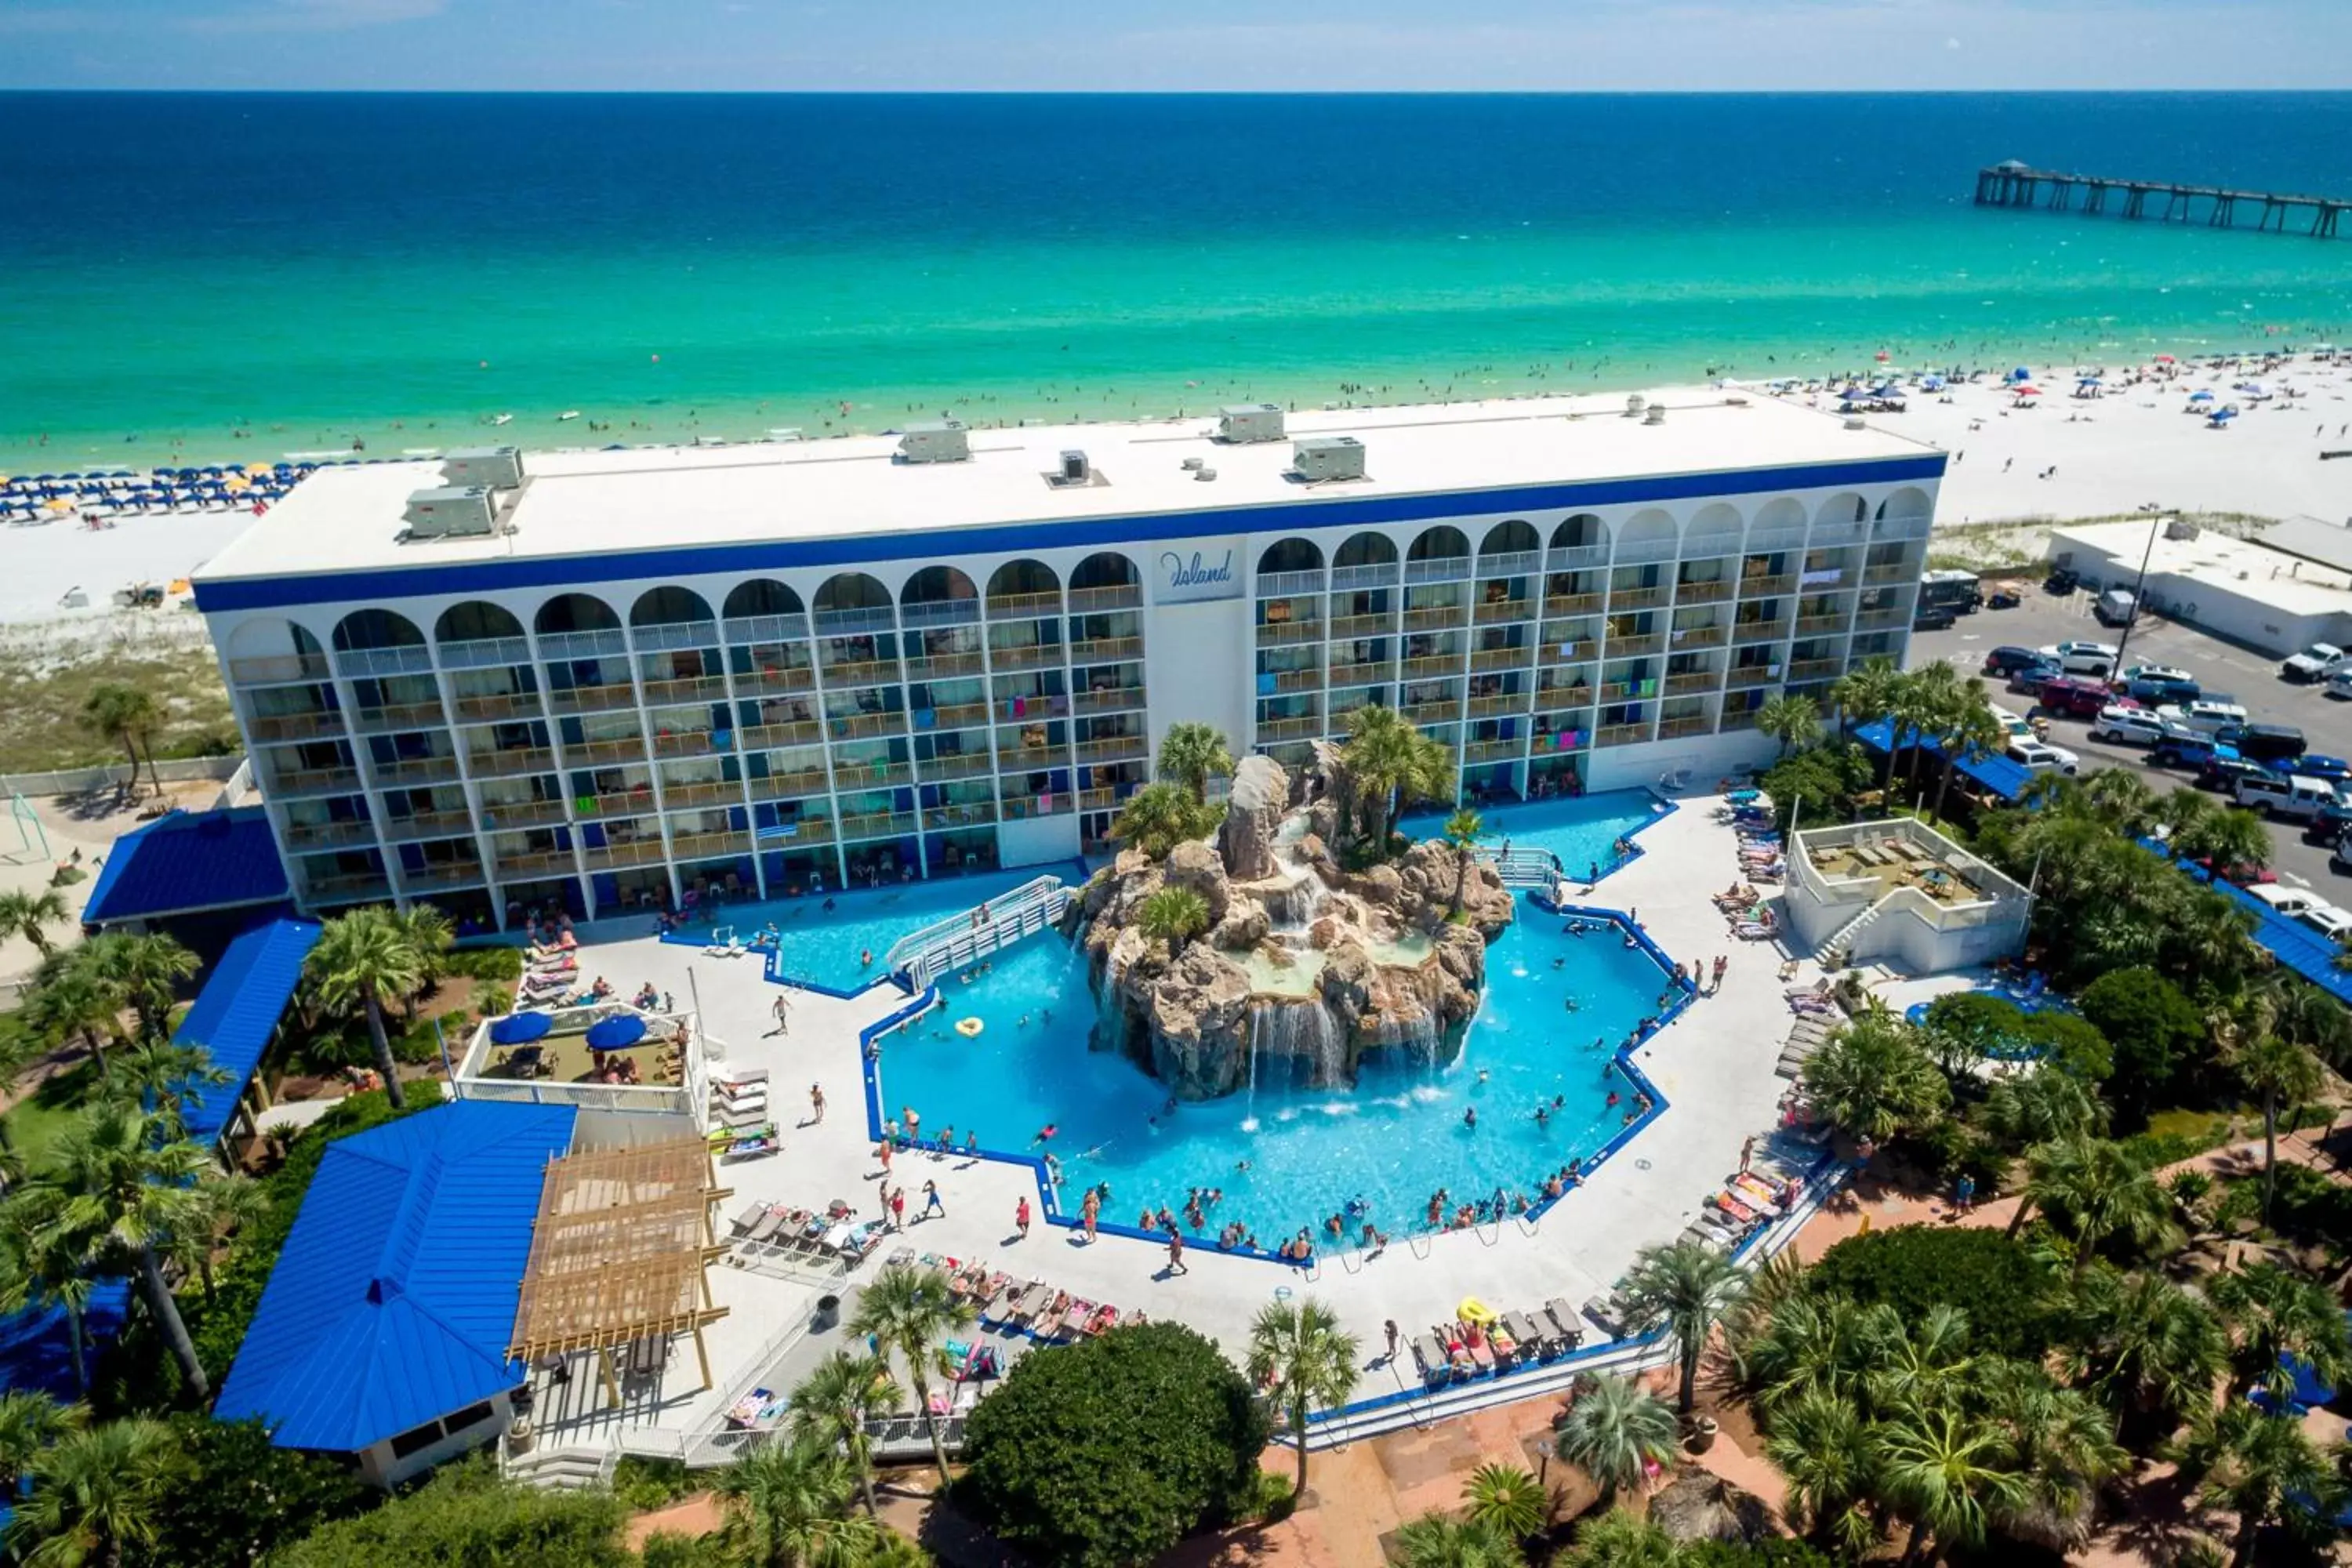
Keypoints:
(1298, 1032)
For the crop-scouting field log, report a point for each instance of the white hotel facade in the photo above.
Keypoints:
(600, 680)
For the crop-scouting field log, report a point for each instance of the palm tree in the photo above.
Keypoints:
(786, 1499)
(1792, 720)
(29, 1423)
(71, 1001)
(1438, 1540)
(2271, 1312)
(1865, 693)
(1872, 1078)
(130, 716)
(1813, 1346)
(1923, 1365)
(2251, 1464)
(1173, 915)
(2023, 1109)
(2094, 1189)
(428, 933)
(94, 1493)
(144, 971)
(1462, 830)
(1944, 1472)
(129, 1191)
(361, 958)
(836, 1400)
(2064, 1448)
(44, 1264)
(1974, 733)
(1392, 762)
(2143, 1344)
(1622, 1538)
(1299, 1353)
(2226, 836)
(1925, 705)
(224, 1205)
(1158, 817)
(2123, 800)
(29, 914)
(2276, 1072)
(1614, 1431)
(907, 1311)
(1191, 753)
(168, 1076)
(1821, 1447)
(1689, 1287)
(1508, 1497)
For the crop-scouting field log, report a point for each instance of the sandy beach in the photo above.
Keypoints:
(2131, 447)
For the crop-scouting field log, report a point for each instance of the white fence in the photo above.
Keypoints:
(943, 945)
(78, 781)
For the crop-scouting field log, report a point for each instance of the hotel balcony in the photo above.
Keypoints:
(508, 763)
(953, 716)
(776, 680)
(324, 725)
(1493, 751)
(1511, 564)
(1712, 592)
(483, 653)
(1346, 628)
(411, 772)
(1444, 710)
(1344, 703)
(1622, 599)
(932, 612)
(1621, 690)
(959, 814)
(1033, 606)
(1025, 656)
(689, 688)
(1110, 699)
(687, 743)
(791, 786)
(944, 665)
(1108, 650)
(1742, 679)
(1494, 612)
(676, 635)
(280, 669)
(879, 825)
(1702, 681)
(1284, 633)
(1635, 645)
(1104, 798)
(1438, 569)
(1093, 601)
(1377, 575)
(399, 716)
(1745, 719)
(1032, 706)
(701, 792)
(646, 851)
(708, 846)
(1023, 807)
(857, 726)
(411, 659)
(1767, 587)
(1363, 674)
(1826, 535)
(871, 775)
(531, 864)
(961, 766)
(1433, 667)
(498, 816)
(1881, 620)
(1289, 729)
(1815, 669)
(853, 673)
(1887, 576)
(1289, 680)
(1555, 605)
(591, 698)
(1115, 749)
(769, 737)
(1493, 659)
(808, 830)
(1575, 557)
(346, 887)
(577, 754)
(301, 837)
(1501, 705)
(1693, 724)
(500, 705)
(766, 629)
(1751, 632)
(1821, 625)
(1437, 618)
(440, 875)
(628, 800)
(1622, 735)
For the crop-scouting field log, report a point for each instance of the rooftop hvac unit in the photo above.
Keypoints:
(937, 441)
(2181, 528)
(497, 467)
(1203, 474)
(453, 511)
(1656, 415)
(1634, 404)
(1073, 471)
(1241, 423)
(1319, 457)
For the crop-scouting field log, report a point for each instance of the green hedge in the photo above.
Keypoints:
(1994, 1280)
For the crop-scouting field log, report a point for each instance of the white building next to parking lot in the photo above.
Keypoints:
(1901, 892)
(2246, 590)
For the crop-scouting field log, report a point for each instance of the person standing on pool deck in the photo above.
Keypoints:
(897, 1208)
(1176, 1251)
(1747, 1153)
(931, 1205)
(782, 1011)
(816, 1103)
(1389, 1328)
(1088, 1210)
(1021, 1218)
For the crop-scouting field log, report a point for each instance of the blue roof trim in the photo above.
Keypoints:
(620, 566)
(189, 860)
(2292, 944)
(2004, 777)
(393, 1300)
(37, 1343)
(237, 1012)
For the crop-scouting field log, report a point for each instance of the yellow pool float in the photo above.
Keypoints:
(1470, 1310)
(968, 1028)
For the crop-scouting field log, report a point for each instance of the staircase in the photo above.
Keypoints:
(563, 1469)
(1838, 952)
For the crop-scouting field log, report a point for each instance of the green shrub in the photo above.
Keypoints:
(496, 961)
(643, 1485)
(1109, 1454)
(466, 1514)
(1992, 1279)
(2158, 1034)
(234, 1497)
(1770, 1552)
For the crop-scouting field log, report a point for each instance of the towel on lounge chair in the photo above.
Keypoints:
(1429, 1356)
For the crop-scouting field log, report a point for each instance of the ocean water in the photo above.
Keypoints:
(404, 269)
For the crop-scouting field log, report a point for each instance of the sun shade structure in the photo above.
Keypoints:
(235, 1015)
(188, 862)
(618, 1253)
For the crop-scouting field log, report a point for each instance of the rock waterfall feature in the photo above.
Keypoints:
(1304, 968)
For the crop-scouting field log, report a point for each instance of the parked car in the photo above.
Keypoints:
(2157, 672)
(2205, 714)
(2116, 607)
(2080, 657)
(2331, 825)
(2340, 858)
(2030, 679)
(2041, 757)
(2317, 662)
(2275, 745)
(2076, 698)
(1935, 618)
(2127, 726)
(2015, 723)
(2158, 692)
(2002, 599)
(2328, 921)
(2061, 581)
(2222, 772)
(2286, 900)
(2010, 659)
(2334, 770)
(2339, 685)
(2285, 795)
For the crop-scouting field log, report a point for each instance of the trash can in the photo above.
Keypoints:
(1702, 1434)
(828, 1313)
(521, 1437)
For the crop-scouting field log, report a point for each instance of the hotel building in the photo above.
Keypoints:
(600, 680)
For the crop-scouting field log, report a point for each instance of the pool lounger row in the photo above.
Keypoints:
(1545, 1334)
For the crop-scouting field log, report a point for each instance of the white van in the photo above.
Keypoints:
(2285, 901)
(2204, 717)
(2339, 684)
(2129, 726)
(2328, 921)
(2277, 795)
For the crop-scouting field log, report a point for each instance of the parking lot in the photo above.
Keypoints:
(2251, 678)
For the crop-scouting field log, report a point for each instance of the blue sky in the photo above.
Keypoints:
(1176, 45)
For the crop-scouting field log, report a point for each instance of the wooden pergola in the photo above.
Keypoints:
(619, 1254)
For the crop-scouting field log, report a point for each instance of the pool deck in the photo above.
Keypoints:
(1714, 1065)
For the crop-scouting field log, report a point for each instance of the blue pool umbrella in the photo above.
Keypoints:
(521, 1028)
(2021, 373)
(611, 1034)
(2200, 397)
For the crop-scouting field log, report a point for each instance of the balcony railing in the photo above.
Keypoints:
(855, 726)
(1491, 659)
(1687, 637)
(347, 887)
(503, 705)
(1814, 668)
(635, 852)
(510, 761)
(1632, 551)
(417, 770)
(687, 743)
(769, 737)
(1108, 650)
(954, 716)
(1297, 680)
(1685, 685)
(706, 846)
(1350, 579)
(1110, 699)
(304, 837)
(481, 653)
(848, 623)
(1434, 666)
(1571, 605)
(591, 699)
(1494, 612)
(1283, 633)
(940, 613)
(1696, 724)
(871, 775)
(1092, 601)
(1283, 584)
(1363, 674)
(1743, 719)
(1437, 618)
(1019, 758)
(1346, 628)
(439, 875)
(555, 646)
(279, 669)
(776, 680)
(1025, 606)
(1442, 569)
(1741, 679)
(1432, 712)
(766, 628)
(1881, 576)
(689, 688)
(861, 672)
(811, 830)
(675, 633)
(1503, 703)
(1748, 632)
(1493, 751)
(961, 766)
(1635, 645)
(632, 750)
(944, 665)
(284, 782)
(1621, 734)
(1831, 534)
(630, 800)
(790, 786)
(1025, 656)
(416, 659)
(535, 863)
(1510, 563)
(1768, 587)
(1881, 620)
(498, 816)
(1819, 626)
(1708, 593)
(960, 814)
(324, 725)
(1638, 598)
(878, 825)
(1116, 749)
(1289, 729)
(701, 792)
(1562, 699)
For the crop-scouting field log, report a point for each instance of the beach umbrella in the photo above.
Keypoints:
(2165, 359)
(521, 1028)
(2021, 373)
(2029, 392)
(611, 1034)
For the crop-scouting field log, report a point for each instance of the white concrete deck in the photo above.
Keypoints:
(1714, 1065)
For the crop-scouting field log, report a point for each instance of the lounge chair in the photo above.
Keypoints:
(1533, 1343)
(1604, 1315)
(1564, 1317)
(1429, 1356)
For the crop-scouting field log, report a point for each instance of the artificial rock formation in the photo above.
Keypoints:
(1253, 815)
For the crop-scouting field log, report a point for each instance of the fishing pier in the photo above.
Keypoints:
(2016, 184)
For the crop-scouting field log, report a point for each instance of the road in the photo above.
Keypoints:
(2251, 678)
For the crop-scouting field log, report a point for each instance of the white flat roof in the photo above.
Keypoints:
(579, 504)
(2246, 567)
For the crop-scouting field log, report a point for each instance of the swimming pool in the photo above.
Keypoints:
(822, 946)
(1288, 1158)
(1582, 830)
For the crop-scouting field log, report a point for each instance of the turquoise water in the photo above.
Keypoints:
(1390, 1141)
(1583, 830)
(313, 268)
(827, 945)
